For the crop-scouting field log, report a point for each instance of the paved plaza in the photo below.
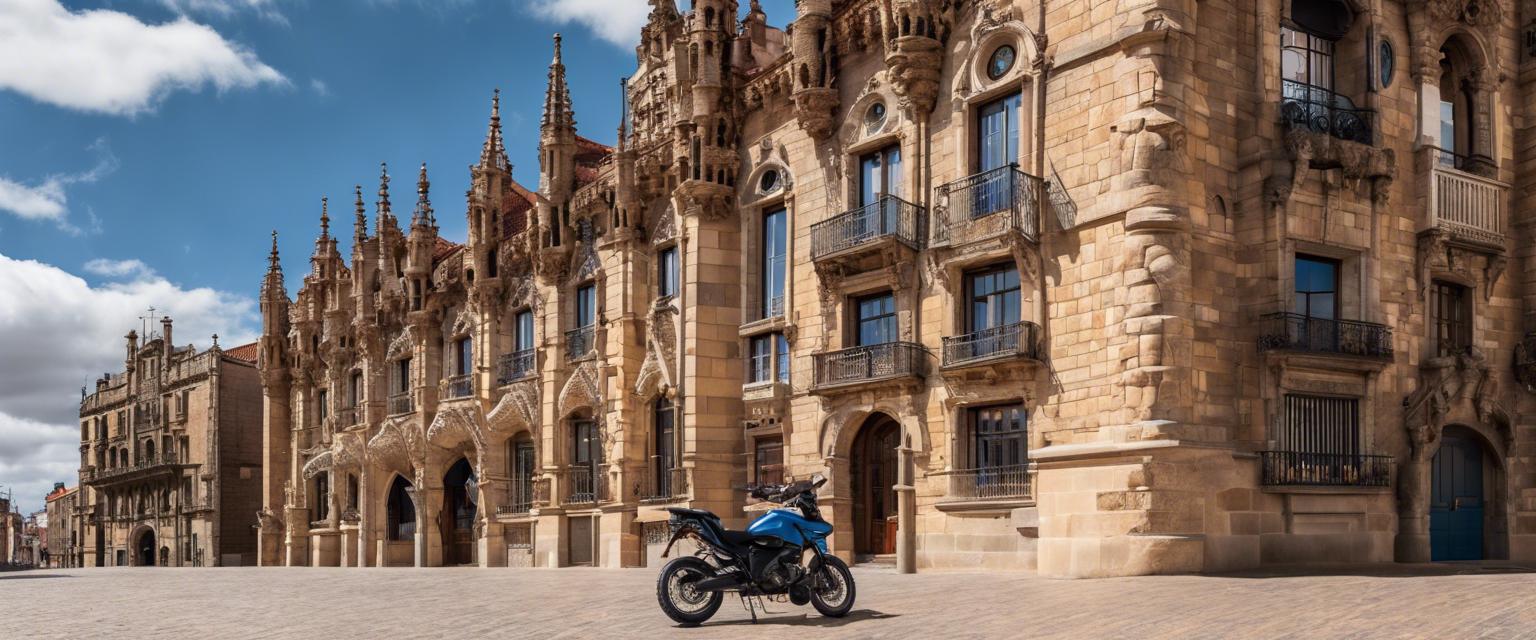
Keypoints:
(1442, 601)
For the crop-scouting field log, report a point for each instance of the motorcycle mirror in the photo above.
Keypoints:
(817, 479)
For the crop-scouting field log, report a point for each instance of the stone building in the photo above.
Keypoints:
(170, 457)
(64, 544)
(1086, 288)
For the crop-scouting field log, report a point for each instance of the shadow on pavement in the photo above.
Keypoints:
(1386, 570)
(808, 620)
(30, 576)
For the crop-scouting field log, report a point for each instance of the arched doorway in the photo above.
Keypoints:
(1457, 499)
(874, 478)
(458, 516)
(146, 549)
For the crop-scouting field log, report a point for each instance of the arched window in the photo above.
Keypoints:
(149, 450)
(400, 511)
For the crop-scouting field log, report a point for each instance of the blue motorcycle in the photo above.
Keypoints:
(768, 559)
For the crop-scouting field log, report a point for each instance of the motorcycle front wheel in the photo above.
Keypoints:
(679, 599)
(832, 591)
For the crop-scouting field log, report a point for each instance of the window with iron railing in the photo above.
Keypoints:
(1319, 442)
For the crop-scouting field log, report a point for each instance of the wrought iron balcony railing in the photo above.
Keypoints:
(870, 363)
(1296, 332)
(1319, 110)
(146, 464)
(585, 485)
(460, 386)
(519, 500)
(1281, 468)
(664, 485)
(580, 342)
(346, 417)
(990, 483)
(886, 217)
(1020, 339)
(988, 204)
(514, 366)
(401, 403)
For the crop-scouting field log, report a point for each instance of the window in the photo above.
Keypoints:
(463, 356)
(322, 496)
(876, 320)
(774, 253)
(356, 397)
(880, 174)
(994, 298)
(523, 338)
(586, 306)
(588, 450)
(997, 143)
(665, 458)
(352, 491)
(666, 272)
(874, 118)
(1306, 59)
(402, 376)
(769, 460)
(770, 358)
(323, 402)
(769, 182)
(1320, 424)
(524, 465)
(1000, 62)
(1001, 436)
(400, 511)
(1317, 287)
(1450, 309)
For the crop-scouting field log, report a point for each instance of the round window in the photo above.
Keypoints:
(1386, 60)
(769, 182)
(1001, 62)
(875, 117)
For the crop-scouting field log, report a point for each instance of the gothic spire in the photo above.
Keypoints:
(274, 264)
(423, 214)
(557, 97)
(273, 284)
(360, 225)
(325, 218)
(494, 154)
(386, 217)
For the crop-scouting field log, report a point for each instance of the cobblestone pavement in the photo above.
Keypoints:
(1442, 601)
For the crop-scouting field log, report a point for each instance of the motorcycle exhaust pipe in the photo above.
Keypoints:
(717, 583)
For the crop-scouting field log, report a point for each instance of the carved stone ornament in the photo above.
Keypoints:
(402, 346)
(517, 409)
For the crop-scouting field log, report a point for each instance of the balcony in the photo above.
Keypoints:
(856, 239)
(584, 485)
(346, 417)
(162, 465)
(990, 484)
(1018, 340)
(988, 205)
(891, 361)
(401, 403)
(579, 343)
(459, 386)
(514, 366)
(519, 500)
(1295, 332)
(1293, 468)
(1469, 208)
(1311, 108)
(668, 486)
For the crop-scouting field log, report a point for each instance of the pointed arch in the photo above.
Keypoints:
(581, 391)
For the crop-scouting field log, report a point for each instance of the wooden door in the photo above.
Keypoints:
(874, 475)
(1456, 500)
(580, 542)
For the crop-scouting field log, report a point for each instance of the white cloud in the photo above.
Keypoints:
(119, 268)
(617, 21)
(225, 8)
(47, 200)
(319, 87)
(109, 62)
(58, 332)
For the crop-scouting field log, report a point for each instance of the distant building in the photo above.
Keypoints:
(62, 536)
(170, 458)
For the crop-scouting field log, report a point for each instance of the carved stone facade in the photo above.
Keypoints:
(170, 460)
(1035, 285)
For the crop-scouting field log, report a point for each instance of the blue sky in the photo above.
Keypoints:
(148, 147)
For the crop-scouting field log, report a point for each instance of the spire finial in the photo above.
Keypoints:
(325, 218)
(557, 48)
(557, 98)
(494, 153)
(273, 263)
(423, 214)
(383, 202)
(361, 223)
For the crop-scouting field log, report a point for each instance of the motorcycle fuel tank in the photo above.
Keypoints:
(782, 523)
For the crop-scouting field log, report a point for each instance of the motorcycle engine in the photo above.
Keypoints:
(779, 567)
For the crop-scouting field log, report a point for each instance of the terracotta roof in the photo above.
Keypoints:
(585, 146)
(515, 210)
(444, 249)
(246, 352)
(59, 493)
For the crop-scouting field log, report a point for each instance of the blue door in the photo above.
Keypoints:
(1456, 500)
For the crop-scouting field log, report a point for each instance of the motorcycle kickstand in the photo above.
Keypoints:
(746, 601)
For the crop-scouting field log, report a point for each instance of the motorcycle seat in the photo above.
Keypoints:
(739, 539)
(692, 512)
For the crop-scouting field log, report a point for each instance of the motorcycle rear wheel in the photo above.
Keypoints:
(832, 589)
(682, 603)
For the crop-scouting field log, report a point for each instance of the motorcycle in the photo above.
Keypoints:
(768, 559)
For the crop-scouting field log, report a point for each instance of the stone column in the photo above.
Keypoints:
(906, 512)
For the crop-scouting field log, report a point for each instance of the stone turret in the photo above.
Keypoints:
(914, 54)
(811, 44)
(557, 155)
(490, 182)
(420, 243)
